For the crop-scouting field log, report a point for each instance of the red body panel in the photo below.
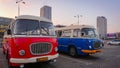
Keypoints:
(15, 44)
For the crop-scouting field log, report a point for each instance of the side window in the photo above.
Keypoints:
(11, 26)
(76, 33)
(59, 33)
(66, 33)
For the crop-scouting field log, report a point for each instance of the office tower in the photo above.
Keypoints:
(102, 26)
(46, 11)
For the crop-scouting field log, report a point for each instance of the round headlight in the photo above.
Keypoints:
(22, 52)
(90, 47)
(56, 49)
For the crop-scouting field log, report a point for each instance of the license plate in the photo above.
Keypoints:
(42, 59)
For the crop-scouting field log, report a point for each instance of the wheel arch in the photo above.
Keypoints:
(71, 45)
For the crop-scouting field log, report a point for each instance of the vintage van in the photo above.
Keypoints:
(30, 39)
(78, 40)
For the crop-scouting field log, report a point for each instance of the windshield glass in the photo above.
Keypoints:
(33, 27)
(89, 32)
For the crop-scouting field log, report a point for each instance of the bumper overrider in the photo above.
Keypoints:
(91, 51)
(34, 59)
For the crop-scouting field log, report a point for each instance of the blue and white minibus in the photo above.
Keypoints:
(78, 40)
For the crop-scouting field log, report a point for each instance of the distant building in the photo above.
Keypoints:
(111, 35)
(59, 26)
(102, 26)
(4, 24)
(46, 11)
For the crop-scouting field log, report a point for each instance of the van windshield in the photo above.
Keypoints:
(89, 32)
(33, 27)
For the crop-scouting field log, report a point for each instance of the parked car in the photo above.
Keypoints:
(114, 42)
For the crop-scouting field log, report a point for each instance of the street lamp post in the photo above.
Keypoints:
(78, 16)
(18, 2)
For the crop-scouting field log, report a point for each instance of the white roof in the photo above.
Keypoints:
(74, 27)
(31, 17)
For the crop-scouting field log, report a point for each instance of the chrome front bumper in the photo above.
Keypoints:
(33, 59)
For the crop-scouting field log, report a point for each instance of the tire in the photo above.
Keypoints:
(73, 52)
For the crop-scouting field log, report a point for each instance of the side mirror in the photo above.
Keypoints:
(9, 32)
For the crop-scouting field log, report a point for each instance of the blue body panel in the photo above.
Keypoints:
(78, 43)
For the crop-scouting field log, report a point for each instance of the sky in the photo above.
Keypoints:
(63, 11)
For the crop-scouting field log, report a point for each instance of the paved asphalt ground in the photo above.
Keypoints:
(109, 58)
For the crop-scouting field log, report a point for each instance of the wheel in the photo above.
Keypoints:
(73, 52)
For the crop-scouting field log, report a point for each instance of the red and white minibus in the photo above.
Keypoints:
(30, 39)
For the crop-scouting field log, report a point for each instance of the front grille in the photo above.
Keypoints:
(40, 48)
(97, 45)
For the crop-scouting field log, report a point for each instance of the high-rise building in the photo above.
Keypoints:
(46, 11)
(102, 26)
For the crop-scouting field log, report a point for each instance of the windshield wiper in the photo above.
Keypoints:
(45, 30)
